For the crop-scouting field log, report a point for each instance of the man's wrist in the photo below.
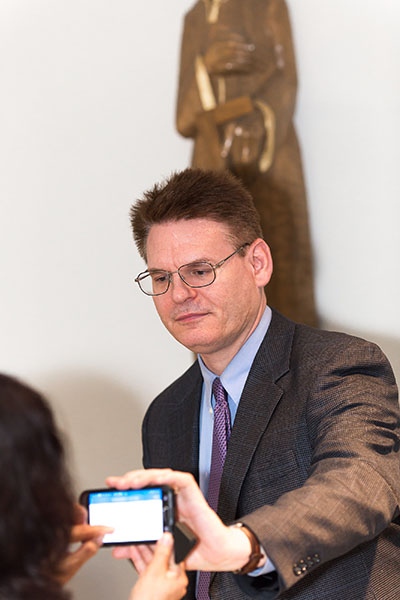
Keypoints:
(248, 553)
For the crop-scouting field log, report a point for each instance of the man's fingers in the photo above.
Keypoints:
(143, 477)
(140, 563)
(122, 552)
(162, 553)
(146, 552)
(141, 555)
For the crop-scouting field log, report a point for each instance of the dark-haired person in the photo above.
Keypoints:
(291, 432)
(37, 510)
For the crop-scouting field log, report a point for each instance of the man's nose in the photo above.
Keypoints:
(179, 290)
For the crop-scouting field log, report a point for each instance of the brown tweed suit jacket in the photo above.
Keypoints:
(312, 465)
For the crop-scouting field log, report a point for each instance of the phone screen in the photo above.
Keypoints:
(135, 515)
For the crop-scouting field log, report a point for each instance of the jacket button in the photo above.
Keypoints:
(296, 570)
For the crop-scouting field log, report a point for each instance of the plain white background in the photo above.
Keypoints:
(87, 109)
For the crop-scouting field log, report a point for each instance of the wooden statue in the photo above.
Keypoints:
(237, 90)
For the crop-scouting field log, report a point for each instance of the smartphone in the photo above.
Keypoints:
(137, 516)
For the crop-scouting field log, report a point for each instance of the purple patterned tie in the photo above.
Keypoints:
(221, 434)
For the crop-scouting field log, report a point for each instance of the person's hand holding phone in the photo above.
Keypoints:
(220, 548)
(90, 540)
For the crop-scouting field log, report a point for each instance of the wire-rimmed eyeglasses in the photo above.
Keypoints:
(195, 274)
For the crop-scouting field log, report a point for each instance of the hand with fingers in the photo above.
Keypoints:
(159, 576)
(90, 539)
(220, 548)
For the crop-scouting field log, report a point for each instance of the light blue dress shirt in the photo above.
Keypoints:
(233, 379)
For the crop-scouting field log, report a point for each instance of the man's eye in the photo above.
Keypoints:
(159, 277)
(200, 271)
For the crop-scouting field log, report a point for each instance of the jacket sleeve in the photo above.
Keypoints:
(352, 490)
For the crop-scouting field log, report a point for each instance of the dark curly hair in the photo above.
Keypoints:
(36, 500)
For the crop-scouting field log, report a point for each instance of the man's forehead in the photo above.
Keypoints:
(187, 240)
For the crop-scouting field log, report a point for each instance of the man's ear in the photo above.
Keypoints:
(260, 258)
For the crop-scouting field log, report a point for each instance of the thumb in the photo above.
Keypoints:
(162, 553)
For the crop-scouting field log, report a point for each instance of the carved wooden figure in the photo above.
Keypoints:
(237, 90)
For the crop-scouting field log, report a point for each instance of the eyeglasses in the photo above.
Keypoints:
(196, 275)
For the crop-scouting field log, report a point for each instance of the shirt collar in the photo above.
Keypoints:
(236, 372)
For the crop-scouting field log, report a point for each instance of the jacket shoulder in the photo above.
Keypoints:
(301, 345)
(316, 340)
(178, 390)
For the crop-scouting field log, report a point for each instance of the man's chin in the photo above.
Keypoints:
(195, 343)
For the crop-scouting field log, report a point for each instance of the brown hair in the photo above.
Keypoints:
(196, 194)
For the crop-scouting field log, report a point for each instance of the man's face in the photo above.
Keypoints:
(213, 319)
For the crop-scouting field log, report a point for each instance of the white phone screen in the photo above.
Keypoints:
(135, 515)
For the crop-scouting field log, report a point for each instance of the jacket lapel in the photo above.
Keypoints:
(260, 396)
(184, 423)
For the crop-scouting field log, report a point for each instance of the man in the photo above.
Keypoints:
(310, 419)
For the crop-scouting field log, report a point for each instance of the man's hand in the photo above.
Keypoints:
(220, 548)
(90, 539)
(161, 578)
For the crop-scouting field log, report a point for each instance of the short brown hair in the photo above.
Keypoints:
(196, 194)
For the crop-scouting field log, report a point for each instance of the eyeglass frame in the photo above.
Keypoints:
(170, 273)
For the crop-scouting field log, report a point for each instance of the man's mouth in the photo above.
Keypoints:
(191, 316)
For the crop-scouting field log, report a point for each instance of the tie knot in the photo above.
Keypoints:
(219, 391)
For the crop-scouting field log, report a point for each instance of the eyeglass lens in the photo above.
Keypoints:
(197, 274)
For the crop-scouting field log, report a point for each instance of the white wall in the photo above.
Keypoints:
(87, 123)
(349, 125)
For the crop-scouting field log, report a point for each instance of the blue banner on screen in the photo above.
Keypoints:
(135, 515)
